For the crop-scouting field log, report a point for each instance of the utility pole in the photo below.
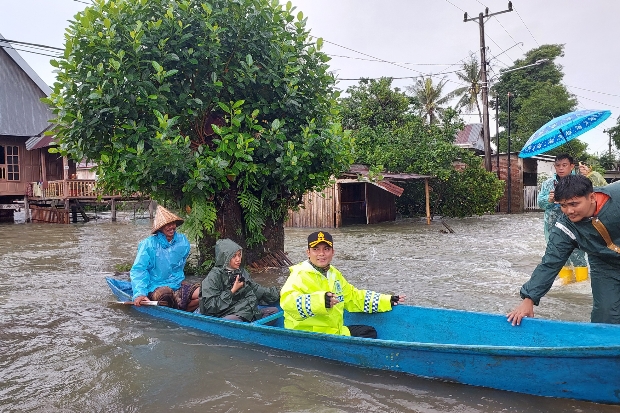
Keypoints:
(486, 133)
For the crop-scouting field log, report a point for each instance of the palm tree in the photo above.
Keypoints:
(470, 74)
(429, 96)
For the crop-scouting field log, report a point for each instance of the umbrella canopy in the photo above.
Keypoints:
(562, 129)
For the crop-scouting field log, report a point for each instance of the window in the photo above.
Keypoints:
(9, 163)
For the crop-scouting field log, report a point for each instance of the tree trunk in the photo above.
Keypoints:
(230, 224)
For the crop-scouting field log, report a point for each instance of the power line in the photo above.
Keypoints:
(513, 39)
(402, 63)
(500, 49)
(528, 29)
(402, 77)
(28, 51)
(455, 6)
(596, 101)
(32, 44)
(422, 74)
(593, 91)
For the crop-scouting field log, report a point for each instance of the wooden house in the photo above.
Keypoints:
(22, 117)
(353, 199)
(47, 186)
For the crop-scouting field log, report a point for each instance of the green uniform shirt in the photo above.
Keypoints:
(604, 263)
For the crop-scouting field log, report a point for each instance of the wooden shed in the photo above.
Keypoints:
(353, 199)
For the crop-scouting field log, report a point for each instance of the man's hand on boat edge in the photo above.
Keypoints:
(525, 309)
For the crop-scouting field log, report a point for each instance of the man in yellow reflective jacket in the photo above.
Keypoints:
(316, 294)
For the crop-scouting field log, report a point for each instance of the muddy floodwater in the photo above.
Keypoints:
(65, 348)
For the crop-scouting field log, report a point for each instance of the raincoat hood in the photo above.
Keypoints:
(224, 251)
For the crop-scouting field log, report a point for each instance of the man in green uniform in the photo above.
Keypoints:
(590, 222)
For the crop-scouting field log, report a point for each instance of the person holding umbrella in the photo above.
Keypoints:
(596, 178)
(591, 222)
(564, 166)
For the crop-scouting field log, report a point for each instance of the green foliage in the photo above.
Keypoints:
(124, 267)
(470, 75)
(189, 101)
(196, 266)
(373, 103)
(412, 145)
(463, 192)
(537, 97)
(432, 103)
(614, 133)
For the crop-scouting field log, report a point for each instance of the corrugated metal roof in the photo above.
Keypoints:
(37, 142)
(471, 138)
(357, 169)
(385, 185)
(21, 111)
(390, 187)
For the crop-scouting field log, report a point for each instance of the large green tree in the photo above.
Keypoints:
(408, 143)
(222, 107)
(538, 96)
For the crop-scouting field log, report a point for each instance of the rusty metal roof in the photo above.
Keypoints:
(38, 142)
(357, 169)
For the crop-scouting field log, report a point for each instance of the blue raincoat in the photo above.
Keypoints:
(159, 263)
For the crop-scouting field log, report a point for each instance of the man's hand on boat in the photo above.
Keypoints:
(525, 309)
(139, 300)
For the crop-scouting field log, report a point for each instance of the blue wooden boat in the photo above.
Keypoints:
(540, 357)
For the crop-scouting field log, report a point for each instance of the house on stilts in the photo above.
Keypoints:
(40, 185)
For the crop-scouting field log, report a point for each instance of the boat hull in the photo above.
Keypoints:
(584, 368)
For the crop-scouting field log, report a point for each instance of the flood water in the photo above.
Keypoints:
(65, 348)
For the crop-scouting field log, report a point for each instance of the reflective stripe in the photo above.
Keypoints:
(371, 302)
(304, 311)
(375, 302)
(566, 230)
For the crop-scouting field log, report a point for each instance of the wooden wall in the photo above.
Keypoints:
(319, 210)
(344, 203)
(381, 205)
(29, 168)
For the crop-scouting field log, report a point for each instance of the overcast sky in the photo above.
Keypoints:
(420, 37)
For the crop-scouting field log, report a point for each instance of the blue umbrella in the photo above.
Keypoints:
(562, 129)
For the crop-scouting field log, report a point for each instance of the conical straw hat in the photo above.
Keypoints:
(164, 217)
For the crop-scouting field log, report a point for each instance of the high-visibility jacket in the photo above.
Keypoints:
(303, 300)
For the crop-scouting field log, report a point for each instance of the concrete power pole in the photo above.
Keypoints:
(486, 132)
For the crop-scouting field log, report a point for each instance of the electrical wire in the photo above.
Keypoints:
(421, 74)
(528, 29)
(594, 91)
(40, 46)
(28, 51)
(402, 63)
(456, 6)
(596, 101)
(513, 39)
